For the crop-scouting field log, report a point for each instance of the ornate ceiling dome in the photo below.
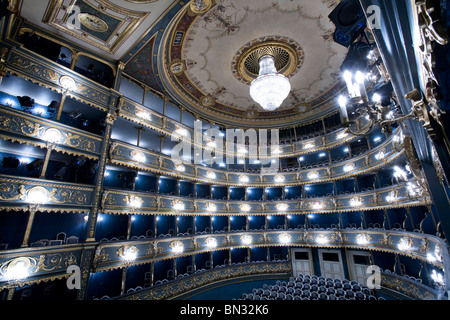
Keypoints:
(209, 59)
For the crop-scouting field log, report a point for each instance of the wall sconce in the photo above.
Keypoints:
(37, 195)
(355, 202)
(349, 167)
(245, 207)
(128, 253)
(138, 156)
(67, 83)
(180, 167)
(322, 239)
(244, 179)
(211, 175)
(313, 175)
(246, 239)
(134, 201)
(18, 269)
(211, 207)
(405, 244)
(279, 179)
(177, 247)
(363, 239)
(52, 135)
(282, 207)
(211, 242)
(284, 238)
(178, 205)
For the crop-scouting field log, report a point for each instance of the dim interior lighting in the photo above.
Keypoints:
(405, 244)
(289, 217)
(279, 179)
(284, 238)
(211, 242)
(210, 174)
(246, 239)
(177, 247)
(38, 195)
(86, 218)
(9, 103)
(53, 135)
(322, 155)
(39, 111)
(245, 207)
(377, 139)
(138, 156)
(100, 218)
(269, 217)
(301, 158)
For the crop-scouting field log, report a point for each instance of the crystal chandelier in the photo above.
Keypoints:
(270, 89)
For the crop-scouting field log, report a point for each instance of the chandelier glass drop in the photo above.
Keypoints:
(270, 89)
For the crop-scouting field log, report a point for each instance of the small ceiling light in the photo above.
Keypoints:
(270, 89)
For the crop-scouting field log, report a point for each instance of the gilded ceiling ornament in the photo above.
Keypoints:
(200, 6)
(177, 67)
(92, 22)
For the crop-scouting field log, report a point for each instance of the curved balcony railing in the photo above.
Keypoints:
(129, 202)
(18, 126)
(122, 154)
(155, 121)
(19, 193)
(32, 67)
(416, 245)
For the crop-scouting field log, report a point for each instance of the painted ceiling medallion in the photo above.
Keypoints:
(200, 6)
(92, 22)
(287, 53)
